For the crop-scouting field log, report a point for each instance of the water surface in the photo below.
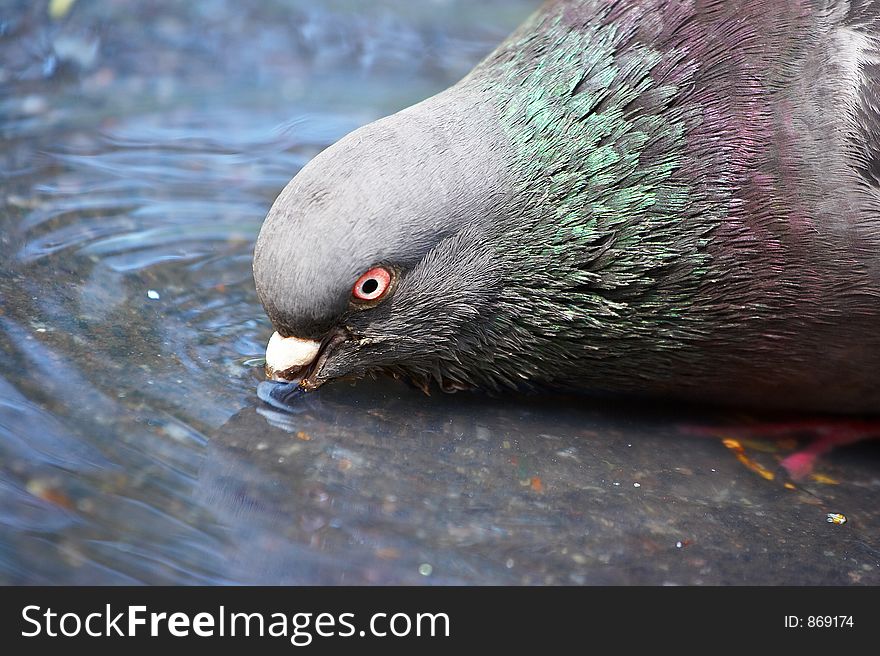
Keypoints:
(140, 148)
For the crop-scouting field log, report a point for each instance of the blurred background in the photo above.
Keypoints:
(141, 145)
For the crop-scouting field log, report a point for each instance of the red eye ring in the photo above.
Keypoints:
(372, 285)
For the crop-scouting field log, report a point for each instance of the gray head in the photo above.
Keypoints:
(373, 256)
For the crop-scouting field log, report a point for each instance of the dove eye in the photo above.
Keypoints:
(372, 285)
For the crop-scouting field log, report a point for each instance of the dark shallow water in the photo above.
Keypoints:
(140, 147)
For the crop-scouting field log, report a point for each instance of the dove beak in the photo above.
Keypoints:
(288, 358)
